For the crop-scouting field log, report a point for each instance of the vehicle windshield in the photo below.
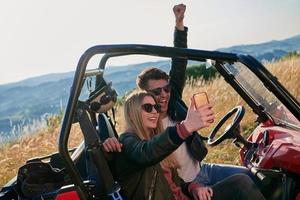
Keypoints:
(261, 95)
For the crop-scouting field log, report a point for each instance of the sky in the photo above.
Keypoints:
(48, 36)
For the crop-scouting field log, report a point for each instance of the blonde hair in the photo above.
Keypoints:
(134, 124)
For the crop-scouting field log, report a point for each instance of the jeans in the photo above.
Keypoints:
(236, 187)
(211, 174)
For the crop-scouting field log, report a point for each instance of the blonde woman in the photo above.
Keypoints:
(145, 167)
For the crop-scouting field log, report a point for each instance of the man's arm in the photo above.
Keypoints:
(178, 68)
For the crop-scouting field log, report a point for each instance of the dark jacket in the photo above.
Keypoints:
(137, 167)
(177, 109)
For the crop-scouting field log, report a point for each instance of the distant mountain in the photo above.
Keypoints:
(30, 99)
(31, 82)
(269, 51)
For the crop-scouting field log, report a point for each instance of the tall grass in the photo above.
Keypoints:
(22, 129)
(221, 96)
(41, 143)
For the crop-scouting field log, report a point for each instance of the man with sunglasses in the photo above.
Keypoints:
(168, 90)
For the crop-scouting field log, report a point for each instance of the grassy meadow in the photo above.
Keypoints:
(221, 96)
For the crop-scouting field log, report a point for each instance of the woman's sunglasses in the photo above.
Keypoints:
(157, 91)
(148, 107)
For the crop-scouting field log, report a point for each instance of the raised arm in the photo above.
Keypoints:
(178, 68)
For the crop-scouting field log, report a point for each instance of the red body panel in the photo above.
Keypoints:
(298, 196)
(71, 195)
(282, 150)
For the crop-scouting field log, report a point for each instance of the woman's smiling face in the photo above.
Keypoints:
(149, 119)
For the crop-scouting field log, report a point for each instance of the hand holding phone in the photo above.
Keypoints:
(200, 99)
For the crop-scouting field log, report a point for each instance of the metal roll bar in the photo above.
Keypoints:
(151, 50)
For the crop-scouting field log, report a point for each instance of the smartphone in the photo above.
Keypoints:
(200, 99)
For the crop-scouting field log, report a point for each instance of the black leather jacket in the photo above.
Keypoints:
(177, 109)
(137, 166)
(177, 79)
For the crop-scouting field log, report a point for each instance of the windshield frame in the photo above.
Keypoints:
(257, 94)
(272, 84)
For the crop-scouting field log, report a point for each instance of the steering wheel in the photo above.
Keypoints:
(239, 112)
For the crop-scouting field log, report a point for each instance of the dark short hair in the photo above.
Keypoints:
(150, 74)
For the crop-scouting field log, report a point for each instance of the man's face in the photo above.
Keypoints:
(161, 90)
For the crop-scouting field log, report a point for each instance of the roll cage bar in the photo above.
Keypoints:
(171, 52)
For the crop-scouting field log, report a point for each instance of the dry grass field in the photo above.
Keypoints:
(221, 96)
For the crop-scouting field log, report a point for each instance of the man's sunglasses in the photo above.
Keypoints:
(148, 107)
(157, 91)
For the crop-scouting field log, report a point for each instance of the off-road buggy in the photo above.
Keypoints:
(271, 152)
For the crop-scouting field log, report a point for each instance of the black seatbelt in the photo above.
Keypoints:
(113, 122)
(93, 147)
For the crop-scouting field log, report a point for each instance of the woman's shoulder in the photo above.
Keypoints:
(126, 135)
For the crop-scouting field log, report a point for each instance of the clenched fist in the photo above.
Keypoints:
(179, 11)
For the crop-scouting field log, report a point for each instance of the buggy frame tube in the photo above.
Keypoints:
(102, 64)
(128, 49)
(230, 79)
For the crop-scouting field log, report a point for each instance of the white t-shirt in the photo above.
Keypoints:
(189, 167)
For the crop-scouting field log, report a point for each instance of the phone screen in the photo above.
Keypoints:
(200, 99)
